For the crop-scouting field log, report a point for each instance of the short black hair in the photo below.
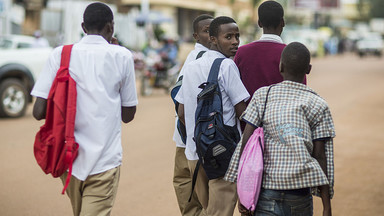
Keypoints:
(270, 14)
(96, 16)
(217, 22)
(196, 21)
(296, 58)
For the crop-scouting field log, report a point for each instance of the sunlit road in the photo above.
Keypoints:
(353, 87)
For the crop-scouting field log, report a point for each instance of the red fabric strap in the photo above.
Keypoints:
(66, 55)
(70, 145)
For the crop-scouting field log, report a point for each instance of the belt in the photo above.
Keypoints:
(301, 191)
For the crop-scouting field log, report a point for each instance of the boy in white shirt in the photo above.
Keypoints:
(106, 95)
(182, 181)
(217, 196)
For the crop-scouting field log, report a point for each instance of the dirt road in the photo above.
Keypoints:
(353, 87)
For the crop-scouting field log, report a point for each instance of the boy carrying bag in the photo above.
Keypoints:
(55, 147)
(251, 166)
(215, 141)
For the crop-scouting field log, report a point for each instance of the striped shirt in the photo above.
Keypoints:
(294, 117)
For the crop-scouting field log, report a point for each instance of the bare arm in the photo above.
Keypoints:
(180, 113)
(248, 131)
(128, 113)
(39, 108)
(319, 155)
(239, 108)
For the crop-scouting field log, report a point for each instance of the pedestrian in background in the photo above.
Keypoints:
(40, 41)
(182, 181)
(106, 95)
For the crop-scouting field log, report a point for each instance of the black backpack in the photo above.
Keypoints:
(180, 126)
(215, 141)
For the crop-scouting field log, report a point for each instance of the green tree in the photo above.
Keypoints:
(362, 8)
(377, 9)
(370, 9)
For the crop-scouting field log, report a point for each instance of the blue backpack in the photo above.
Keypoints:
(180, 126)
(215, 141)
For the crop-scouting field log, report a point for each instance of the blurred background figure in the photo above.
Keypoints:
(169, 50)
(40, 41)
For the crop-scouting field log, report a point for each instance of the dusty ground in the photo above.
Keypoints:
(353, 87)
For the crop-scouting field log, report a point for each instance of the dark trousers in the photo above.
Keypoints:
(285, 203)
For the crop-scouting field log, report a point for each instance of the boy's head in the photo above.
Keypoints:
(271, 17)
(224, 35)
(98, 20)
(295, 62)
(201, 29)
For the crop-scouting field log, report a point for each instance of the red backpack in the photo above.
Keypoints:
(55, 147)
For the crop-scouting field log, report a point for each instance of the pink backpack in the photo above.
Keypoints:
(251, 167)
(250, 172)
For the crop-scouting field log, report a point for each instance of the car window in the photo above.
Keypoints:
(23, 45)
(5, 44)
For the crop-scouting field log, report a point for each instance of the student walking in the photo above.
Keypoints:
(182, 181)
(218, 197)
(298, 137)
(258, 62)
(106, 95)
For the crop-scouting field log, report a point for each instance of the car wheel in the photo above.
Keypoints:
(13, 97)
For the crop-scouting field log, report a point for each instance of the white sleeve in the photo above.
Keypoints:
(191, 56)
(128, 88)
(47, 75)
(180, 95)
(232, 82)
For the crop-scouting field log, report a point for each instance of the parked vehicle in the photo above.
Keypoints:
(370, 44)
(20, 65)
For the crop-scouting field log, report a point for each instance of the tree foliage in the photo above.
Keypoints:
(376, 8)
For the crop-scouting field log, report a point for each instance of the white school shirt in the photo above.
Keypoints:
(271, 37)
(232, 93)
(105, 81)
(191, 56)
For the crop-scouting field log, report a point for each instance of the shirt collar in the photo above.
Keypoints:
(93, 39)
(271, 37)
(199, 46)
(216, 54)
(299, 86)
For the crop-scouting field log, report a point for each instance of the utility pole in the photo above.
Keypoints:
(144, 6)
(5, 20)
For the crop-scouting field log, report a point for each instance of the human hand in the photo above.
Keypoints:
(242, 209)
(114, 41)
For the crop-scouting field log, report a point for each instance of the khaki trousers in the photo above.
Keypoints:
(218, 197)
(182, 182)
(95, 195)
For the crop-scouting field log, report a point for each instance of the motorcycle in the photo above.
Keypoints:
(157, 72)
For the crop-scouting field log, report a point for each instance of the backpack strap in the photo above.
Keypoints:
(200, 54)
(265, 106)
(66, 55)
(214, 72)
(194, 179)
(70, 143)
